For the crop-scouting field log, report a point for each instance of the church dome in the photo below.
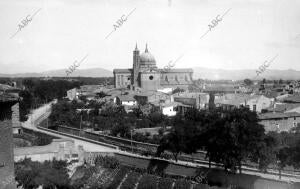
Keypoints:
(147, 58)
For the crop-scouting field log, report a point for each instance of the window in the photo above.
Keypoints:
(254, 107)
(294, 118)
(186, 78)
(74, 155)
(166, 79)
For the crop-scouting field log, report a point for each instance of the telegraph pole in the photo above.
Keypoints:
(131, 140)
(80, 123)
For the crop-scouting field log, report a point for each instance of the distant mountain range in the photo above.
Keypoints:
(92, 72)
(222, 74)
(199, 72)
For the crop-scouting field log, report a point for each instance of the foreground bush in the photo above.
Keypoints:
(201, 186)
(107, 162)
(130, 181)
(118, 178)
(147, 182)
(182, 184)
(165, 183)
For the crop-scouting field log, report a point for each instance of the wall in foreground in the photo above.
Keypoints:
(215, 176)
(7, 179)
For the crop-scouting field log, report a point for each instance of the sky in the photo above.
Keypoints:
(63, 31)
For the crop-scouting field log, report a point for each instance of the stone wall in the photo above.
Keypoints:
(7, 179)
(16, 124)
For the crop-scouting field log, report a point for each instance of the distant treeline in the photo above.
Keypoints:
(37, 91)
(82, 80)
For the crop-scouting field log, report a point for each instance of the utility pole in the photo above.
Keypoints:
(131, 140)
(80, 123)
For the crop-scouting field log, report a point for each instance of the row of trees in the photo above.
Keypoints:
(50, 174)
(42, 91)
(108, 117)
(230, 137)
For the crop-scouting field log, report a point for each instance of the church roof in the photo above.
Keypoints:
(177, 70)
(147, 57)
(122, 70)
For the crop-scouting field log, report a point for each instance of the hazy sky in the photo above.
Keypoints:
(67, 30)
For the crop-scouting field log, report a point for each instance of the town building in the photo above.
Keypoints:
(145, 75)
(277, 121)
(126, 100)
(193, 100)
(60, 149)
(16, 124)
(257, 103)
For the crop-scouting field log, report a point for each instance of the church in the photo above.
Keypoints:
(145, 75)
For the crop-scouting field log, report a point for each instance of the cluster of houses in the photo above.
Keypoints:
(280, 112)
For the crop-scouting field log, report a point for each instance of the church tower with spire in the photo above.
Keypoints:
(144, 74)
(136, 66)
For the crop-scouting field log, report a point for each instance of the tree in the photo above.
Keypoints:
(171, 143)
(101, 94)
(266, 153)
(25, 104)
(211, 102)
(228, 136)
(50, 174)
(184, 137)
(248, 82)
(177, 90)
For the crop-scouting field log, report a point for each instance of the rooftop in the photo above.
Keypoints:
(126, 98)
(295, 99)
(122, 70)
(6, 97)
(276, 115)
(284, 107)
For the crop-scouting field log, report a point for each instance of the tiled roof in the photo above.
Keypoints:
(232, 99)
(179, 82)
(274, 115)
(6, 97)
(220, 88)
(122, 70)
(283, 107)
(295, 98)
(177, 70)
(126, 98)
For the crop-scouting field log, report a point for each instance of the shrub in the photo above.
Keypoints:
(165, 183)
(201, 186)
(182, 184)
(147, 182)
(130, 181)
(118, 178)
(107, 162)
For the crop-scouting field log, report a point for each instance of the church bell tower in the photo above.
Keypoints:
(136, 66)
